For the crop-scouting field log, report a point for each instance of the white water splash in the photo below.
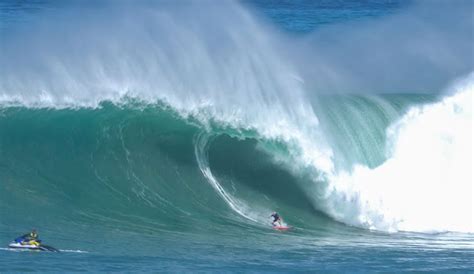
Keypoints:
(224, 67)
(426, 184)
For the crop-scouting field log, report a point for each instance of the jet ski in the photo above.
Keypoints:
(39, 247)
(23, 246)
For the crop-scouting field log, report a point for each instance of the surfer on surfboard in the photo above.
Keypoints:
(277, 220)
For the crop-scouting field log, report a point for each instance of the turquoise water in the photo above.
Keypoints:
(142, 146)
(132, 198)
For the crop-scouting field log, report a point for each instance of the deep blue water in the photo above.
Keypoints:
(304, 16)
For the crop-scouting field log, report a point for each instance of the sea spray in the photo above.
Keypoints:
(222, 68)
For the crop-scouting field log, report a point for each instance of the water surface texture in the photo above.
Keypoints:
(159, 136)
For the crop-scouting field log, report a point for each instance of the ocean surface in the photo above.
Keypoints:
(159, 136)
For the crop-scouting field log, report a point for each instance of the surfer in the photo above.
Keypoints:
(29, 238)
(276, 219)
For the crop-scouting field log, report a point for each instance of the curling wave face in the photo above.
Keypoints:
(121, 125)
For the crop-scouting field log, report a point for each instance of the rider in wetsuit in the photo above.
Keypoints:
(29, 238)
(276, 219)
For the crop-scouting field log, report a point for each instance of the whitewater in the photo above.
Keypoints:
(188, 124)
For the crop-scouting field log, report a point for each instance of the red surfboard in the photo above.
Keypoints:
(281, 228)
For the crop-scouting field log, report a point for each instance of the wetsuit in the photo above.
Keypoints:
(276, 218)
(32, 236)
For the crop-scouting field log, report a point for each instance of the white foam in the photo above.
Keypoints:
(225, 67)
(426, 184)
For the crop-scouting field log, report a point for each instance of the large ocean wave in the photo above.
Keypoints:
(119, 122)
(138, 162)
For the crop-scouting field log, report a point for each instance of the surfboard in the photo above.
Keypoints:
(281, 228)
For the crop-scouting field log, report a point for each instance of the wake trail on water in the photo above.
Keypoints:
(27, 250)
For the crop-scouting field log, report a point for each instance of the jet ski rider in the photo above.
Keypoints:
(29, 238)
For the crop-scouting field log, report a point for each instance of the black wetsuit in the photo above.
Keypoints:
(276, 217)
(27, 237)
